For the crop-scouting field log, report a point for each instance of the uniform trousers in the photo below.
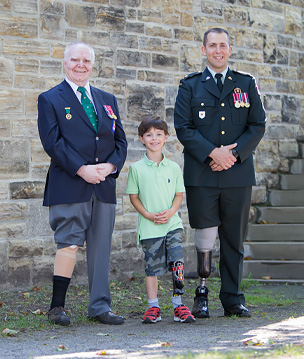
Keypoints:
(91, 222)
(228, 209)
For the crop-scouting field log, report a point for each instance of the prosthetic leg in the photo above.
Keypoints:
(200, 306)
(204, 242)
(177, 269)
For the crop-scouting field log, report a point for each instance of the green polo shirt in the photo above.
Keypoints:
(156, 186)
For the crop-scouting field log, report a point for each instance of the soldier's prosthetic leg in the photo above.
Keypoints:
(200, 306)
(177, 269)
(204, 242)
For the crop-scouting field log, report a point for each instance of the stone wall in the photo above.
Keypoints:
(143, 48)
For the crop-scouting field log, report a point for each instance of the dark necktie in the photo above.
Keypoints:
(88, 107)
(219, 81)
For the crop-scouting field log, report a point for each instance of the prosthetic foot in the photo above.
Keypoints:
(177, 269)
(200, 306)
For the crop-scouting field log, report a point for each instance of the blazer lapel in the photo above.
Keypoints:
(68, 94)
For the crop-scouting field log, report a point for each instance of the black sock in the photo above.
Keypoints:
(60, 286)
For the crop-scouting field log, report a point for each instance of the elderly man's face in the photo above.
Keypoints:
(78, 64)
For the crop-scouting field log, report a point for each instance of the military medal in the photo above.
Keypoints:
(247, 104)
(68, 115)
(112, 115)
(235, 100)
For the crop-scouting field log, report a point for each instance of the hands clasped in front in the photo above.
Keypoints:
(95, 174)
(222, 158)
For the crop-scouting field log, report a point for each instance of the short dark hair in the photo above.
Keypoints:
(217, 30)
(152, 121)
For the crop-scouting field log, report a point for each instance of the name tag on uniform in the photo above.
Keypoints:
(202, 114)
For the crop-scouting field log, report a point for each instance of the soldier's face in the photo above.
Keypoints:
(78, 65)
(217, 51)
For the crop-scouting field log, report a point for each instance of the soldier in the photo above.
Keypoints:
(219, 119)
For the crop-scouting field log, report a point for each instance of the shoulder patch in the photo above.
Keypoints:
(243, 73)
(192, 75)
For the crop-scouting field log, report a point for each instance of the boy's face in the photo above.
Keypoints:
(154, 139)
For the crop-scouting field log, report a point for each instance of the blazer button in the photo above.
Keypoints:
(96, 159)
(202, 104)
(223, 119)
(97, 138)
(222, 104)
(223, 132)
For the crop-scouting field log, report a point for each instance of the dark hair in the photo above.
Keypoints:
(217, 30)
(152, 121)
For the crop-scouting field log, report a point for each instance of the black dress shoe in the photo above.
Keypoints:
(239, 310)
(109, 318)
(57, 315)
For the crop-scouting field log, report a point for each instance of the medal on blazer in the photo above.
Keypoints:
(246, 100)
(112, 115)
(236, 97)
(68, 115)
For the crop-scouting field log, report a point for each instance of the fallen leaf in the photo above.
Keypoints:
(101, 352)
(26, 295)
(252, 342)
(248, 258)
(167, 344)
(104, 334)
(10, 332)
(36, 288)
(267, 277)
(25, 313)
(11, 313)
(61, 347)
(37, 312)
(139, 298)
(1, 304)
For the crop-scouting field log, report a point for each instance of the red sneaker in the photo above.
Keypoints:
(182, 314)
(152, 315)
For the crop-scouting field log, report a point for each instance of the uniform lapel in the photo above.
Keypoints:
(228, 84)
(210, 84)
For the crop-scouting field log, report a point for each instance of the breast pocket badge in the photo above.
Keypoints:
(202, 114)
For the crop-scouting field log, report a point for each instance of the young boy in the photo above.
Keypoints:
(155, 185)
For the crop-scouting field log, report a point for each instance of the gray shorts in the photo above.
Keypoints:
(159, 252)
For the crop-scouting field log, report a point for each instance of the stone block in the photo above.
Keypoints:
(6, 5)
(38, 220)
(37, 152)
(19, 272)
(267, 156)
(269, 48)
(149, 16)
(11, 102)
(15, 159)
(6, 71)
(150, 44)
(124, 41)
(259, 194)
(26, 190)
(151, 4)
(42, 270)
(277, 132)
(160, 61)
(183, 34)
(171, 93)
(29, 82)
(125, 74)
(52, 27)
(3, 263)
(236, 15)
(24, 128)
(272, 102)
(153, 76)
(126, 222)
(158, 30)
(293, 21)
(190, 58)
(133, 58)
(3, 191)
(186, 19)
(289, 148)
(170, 46)
(5, 127)
(110, 18)
(24, 248)
(26, 65)
(200, 27)
(144, 100)
(290, 109)
(212, 8)
(171, 18)
(12, 211)
(51, 7)
(25, 48)
(138, 27)
(26, 7)
(18, 26)
(80, 16)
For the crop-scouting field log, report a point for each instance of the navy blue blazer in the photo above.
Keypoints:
(204, 119)
(71, 141)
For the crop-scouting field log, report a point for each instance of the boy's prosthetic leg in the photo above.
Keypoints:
(200, 306)
(177, 269)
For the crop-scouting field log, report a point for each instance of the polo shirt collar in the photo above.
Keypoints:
(163, 162)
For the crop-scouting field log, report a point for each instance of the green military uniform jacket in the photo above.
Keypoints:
(204, 119)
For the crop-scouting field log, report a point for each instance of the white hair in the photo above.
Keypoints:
(68, 47)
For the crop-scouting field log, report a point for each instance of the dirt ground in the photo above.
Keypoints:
(268, 328)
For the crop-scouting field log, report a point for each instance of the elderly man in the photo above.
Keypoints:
(219, 119)
(81, 131)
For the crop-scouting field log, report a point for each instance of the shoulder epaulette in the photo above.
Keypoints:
(243, 73)
(192, 75)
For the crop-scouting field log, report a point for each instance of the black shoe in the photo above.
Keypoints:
(57, 315)
(200, 306)
(239, 310)
(109, 318)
